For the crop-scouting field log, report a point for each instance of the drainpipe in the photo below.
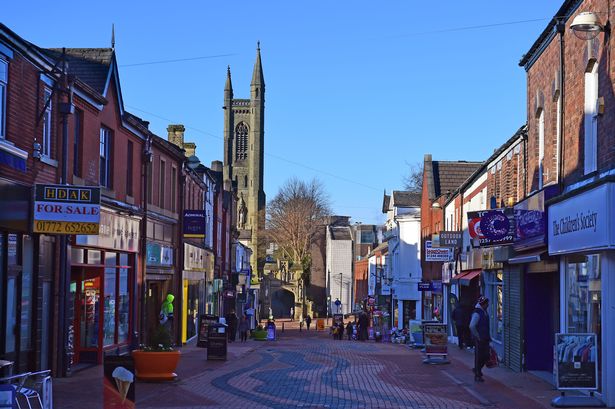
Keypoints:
(560, 26)
(146, 163)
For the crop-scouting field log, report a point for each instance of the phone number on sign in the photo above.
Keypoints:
(43, 226)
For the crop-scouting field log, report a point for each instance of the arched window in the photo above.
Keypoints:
(241, 141)
(245, 181)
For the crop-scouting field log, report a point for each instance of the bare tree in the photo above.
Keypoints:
(413, 181)
(293, 217)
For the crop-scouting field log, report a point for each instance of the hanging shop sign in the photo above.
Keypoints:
(424, 286)
(584, 222)
(576, 361)
(491, 227)
(194, 224)
(436, 338)
(64, 209)
(442, 254)
(452, 239)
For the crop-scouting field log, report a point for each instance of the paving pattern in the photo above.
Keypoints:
(310, 370)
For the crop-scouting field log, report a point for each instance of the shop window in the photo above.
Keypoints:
(25, 332)
(584, 299)
(123, 306)
(94, 257)
(109, 307)
(494, 291)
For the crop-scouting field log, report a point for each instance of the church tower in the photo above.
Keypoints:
(244, 140)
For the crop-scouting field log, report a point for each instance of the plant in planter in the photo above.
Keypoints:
(157, 360)
(259, 334)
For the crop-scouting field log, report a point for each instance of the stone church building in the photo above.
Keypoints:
(244, 140)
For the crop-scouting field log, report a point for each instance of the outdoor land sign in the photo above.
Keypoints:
(437, 253)
(576, 361)
(491, 227)
(65, 209)
(452, 239)
(194, 224)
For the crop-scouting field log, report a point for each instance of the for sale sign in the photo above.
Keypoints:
(437, 253)
(65, 209)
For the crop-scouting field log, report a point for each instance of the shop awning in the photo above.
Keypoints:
(527, 258)
(466, 277)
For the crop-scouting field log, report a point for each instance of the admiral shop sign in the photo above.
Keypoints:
(583, 222)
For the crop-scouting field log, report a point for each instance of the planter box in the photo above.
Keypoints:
(156, 366)
(259, 335)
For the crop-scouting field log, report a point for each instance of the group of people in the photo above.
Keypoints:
(473, 331)
(357, 329)
(233, 324)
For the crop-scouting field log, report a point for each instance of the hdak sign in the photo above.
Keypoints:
(64, 209)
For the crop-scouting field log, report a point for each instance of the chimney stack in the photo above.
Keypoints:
(176, 135)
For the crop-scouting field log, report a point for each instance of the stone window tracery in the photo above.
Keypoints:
(241, 141)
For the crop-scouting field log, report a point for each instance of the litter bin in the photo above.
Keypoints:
(216, 342)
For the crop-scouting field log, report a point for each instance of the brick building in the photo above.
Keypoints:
(570, 151)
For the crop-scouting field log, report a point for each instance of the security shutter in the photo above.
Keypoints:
(513, 311)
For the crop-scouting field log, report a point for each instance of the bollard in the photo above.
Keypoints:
(282, 327)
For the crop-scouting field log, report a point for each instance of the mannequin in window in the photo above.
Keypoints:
(242, 212)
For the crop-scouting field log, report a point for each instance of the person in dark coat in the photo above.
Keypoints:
(363, 327)
(479, 327)
(231, 322)
(461, 323)
(308, 321)
(349, 329)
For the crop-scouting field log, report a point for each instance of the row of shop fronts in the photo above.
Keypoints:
(557, 277)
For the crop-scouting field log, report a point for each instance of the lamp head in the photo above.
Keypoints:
(586, 26)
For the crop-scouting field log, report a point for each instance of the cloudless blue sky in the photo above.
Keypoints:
(355, 90)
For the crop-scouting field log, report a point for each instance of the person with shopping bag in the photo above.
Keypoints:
(479, 327)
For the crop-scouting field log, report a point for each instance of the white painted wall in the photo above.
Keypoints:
(339, 261)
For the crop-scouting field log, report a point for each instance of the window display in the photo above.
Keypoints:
(584, 298)
(494, 291)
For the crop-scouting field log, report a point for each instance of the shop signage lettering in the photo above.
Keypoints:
(451, 239)
(436, 338)
(194, 224)
(116, 232)
(583, 222)
(60, 209)
(158, 255)
(437, 253)
(424, 286)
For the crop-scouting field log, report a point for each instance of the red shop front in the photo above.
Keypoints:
(102, 289)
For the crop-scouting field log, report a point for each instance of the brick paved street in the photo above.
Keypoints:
(309, 370)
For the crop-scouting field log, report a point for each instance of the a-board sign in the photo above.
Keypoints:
(205, 320)
(576, 361)
(436, 338)
(216, 342)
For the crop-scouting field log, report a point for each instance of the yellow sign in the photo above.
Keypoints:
(57, 227)
(320, 324)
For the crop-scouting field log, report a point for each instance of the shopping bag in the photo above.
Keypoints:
(493, 358)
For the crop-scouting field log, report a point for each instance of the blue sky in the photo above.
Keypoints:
(355, 90)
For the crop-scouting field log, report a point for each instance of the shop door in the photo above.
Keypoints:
(87, 292)
(154, 302)
(541, 295)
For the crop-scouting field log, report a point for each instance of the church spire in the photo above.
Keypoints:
(257, 75)
(113, 36)
(228, 86)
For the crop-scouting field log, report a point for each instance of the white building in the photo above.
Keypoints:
(403, 271)
(339, 269)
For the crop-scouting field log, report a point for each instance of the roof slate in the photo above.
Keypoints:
(402, 198)
(448, 176)
(91, 65)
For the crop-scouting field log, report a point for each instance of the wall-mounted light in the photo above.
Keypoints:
(587, 25)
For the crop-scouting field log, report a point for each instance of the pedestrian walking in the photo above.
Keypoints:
(301, 324)
(166, 313)
(363, 327)
(231, 322)
(349, 330)
(244, 326)
(461, 324)
(308, 321)
(479, 327)
(292, 313)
